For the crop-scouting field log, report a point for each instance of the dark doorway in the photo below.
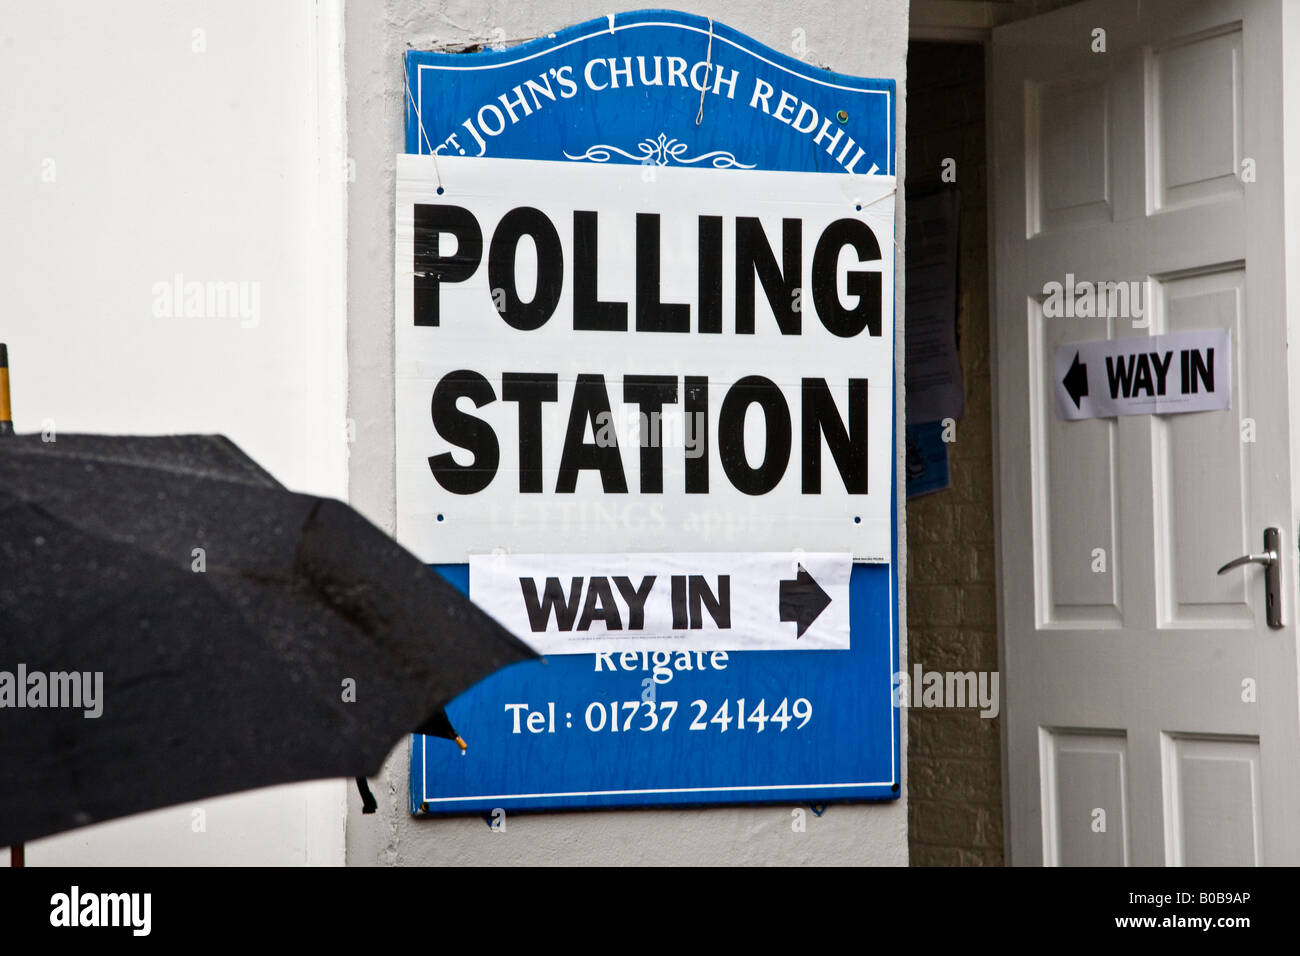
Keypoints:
(954, 754)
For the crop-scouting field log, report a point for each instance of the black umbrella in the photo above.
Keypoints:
(229, 633)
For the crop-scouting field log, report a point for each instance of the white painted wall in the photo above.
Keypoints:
(221, 165)
(166, 160)
(865, 37)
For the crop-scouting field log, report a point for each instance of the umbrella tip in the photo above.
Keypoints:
(460, 742)
(6, 415)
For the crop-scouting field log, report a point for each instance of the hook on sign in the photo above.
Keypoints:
(708, 71)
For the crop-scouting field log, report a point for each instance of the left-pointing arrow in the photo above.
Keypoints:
(1076, 380)
(802, 599)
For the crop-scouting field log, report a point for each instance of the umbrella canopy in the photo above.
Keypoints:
(217, 632)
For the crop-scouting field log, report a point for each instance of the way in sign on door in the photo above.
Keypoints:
(1161, 375)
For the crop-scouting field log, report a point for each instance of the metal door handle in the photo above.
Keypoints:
(1267, 558)
(1272, 561)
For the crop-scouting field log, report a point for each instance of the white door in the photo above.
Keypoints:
(1150, 713)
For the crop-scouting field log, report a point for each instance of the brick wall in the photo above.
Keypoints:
(954, 762)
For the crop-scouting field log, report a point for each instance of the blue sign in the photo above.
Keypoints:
(659, 88)
(927, 459)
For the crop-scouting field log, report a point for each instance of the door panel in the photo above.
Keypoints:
(1195, 105)
(1203, 463)
(1068, 154)
(1212, 801)
(1086, 798)
(1140, 683)
(1079, 509)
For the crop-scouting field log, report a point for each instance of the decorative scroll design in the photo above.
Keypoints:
(661, 152)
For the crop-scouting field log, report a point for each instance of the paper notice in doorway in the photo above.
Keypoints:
(933, 367)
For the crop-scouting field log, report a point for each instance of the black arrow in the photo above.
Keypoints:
(802, 599)
(1076, 380)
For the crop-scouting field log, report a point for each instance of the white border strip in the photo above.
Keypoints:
(616, 793)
